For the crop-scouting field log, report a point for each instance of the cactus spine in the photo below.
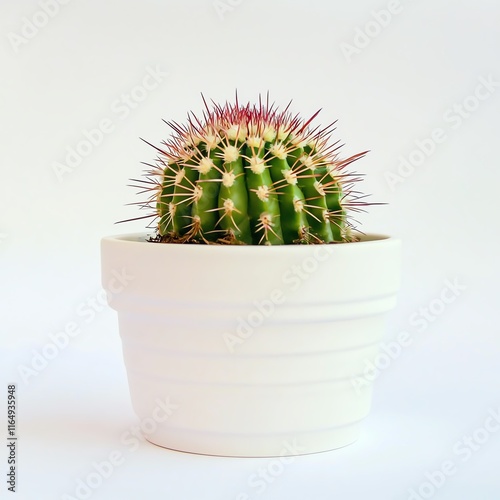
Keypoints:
(251, 174)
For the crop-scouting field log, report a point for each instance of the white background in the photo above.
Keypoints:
(389, 91)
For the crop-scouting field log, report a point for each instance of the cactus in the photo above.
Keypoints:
(251, 174)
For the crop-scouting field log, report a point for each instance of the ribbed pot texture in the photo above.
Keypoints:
(250, 350)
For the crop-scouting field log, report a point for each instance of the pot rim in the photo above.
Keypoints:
(366, 239)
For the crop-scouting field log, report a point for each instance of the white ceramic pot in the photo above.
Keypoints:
(254, 347)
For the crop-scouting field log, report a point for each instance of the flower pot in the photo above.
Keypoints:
(253, 347)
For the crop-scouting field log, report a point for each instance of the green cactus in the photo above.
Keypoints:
(251, 174)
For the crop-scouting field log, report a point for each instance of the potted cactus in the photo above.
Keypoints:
(256, 304)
